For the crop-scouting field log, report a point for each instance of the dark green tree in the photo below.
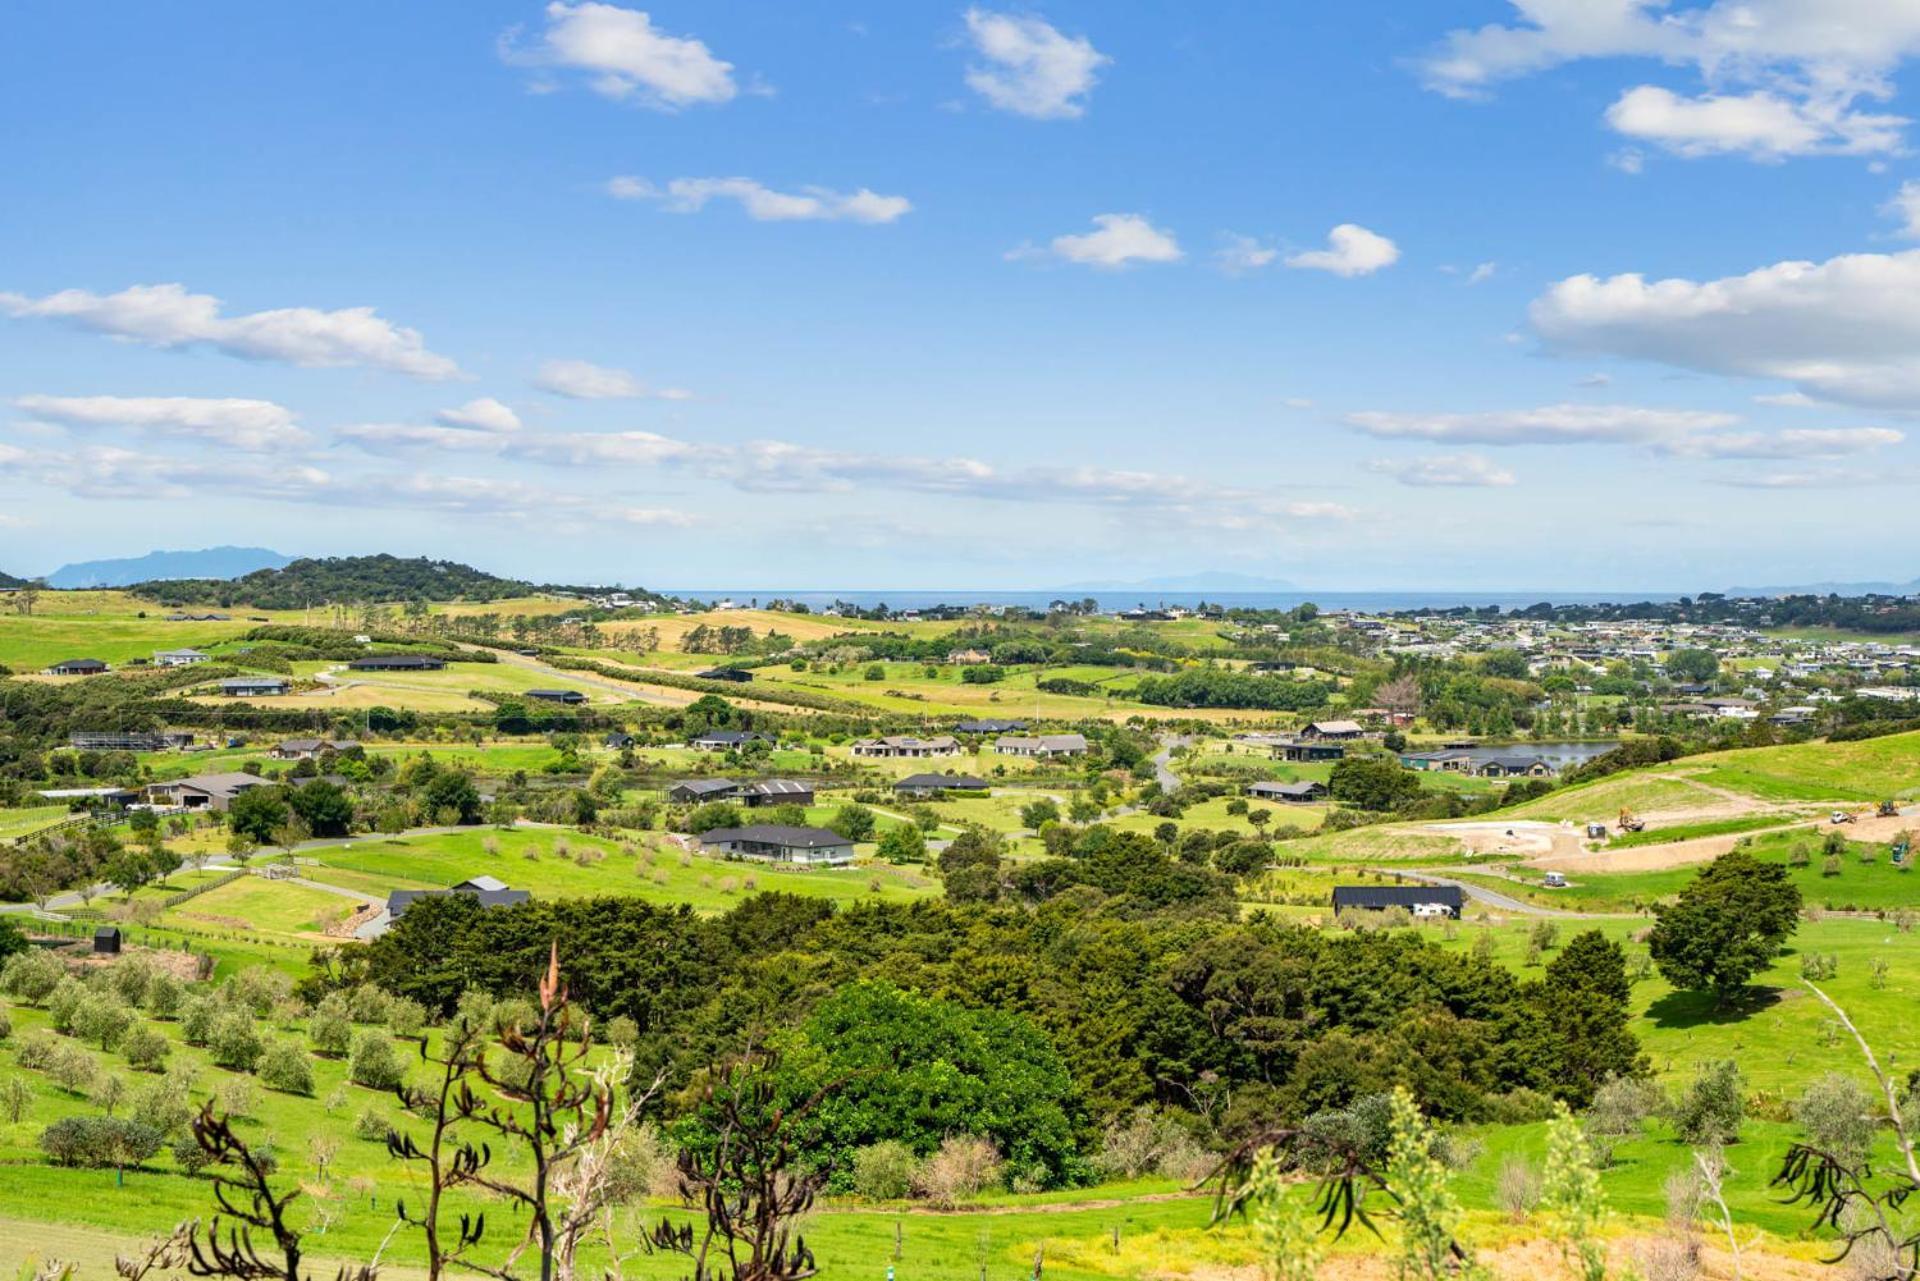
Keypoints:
(1729, 923)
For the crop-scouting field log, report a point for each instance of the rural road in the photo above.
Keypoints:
(1162, 763)
(1501, 902)
(591, 681)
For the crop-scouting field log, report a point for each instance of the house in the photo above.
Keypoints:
(728, 740)
(1307, 753)
(619, 740)
(1292, 793)
(921, 786)
(1440, 762)
(1515, 767)
(990, 727)
(1338, 730)
(78, 667)
(253, 686)
(180, 657)
(488, 891)
(775, 791)
(968, 657)
(398, 663)
(304, 749)
(203, 791)
(1421, 900)
(738, 675)
(1045, 745)
(905, 745)
(805, 845)
(568, 696)
(698, 791)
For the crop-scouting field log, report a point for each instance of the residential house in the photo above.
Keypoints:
(619, 740)
(1044, 745)
(1306, 752)
(1336, 730)
(897, 746)
(698, 791)
(398, 663)
(1421, 900)
(990, 727)
(775, 791)
(1440, 762)
(253, 686)
(78, 667)
(304, 749)
(1514, 767)
(488, 891)
(568, 696)
(203, 791)
(728, 740)
(808, 846)
(180, 658)
(1291, 793)
(921, 786)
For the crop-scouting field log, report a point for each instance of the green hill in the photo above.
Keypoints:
(359, 579)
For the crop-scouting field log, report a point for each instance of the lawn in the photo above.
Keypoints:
(254, 905)
(16, 823)
(1706, 827)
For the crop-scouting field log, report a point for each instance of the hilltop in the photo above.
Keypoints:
(366, 579)
(8, 582)
(223, 562)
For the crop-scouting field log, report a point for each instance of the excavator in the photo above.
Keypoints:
(1888, 809)
(1631, 822)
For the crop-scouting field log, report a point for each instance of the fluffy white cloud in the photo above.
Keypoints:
(168, 316)
(1830, 442)
(483, 414)
(1811, 61)
(1122, 239)
(1847, 329)
(583, 380)
(1905, 205)
(625, 57)
(1030, 68)
(1786, 399)
(1548, 425)
(1239, 255)
(763, 204)
(1482, 273)
(1351, 250)
(249, 425)
(1445, 471)
(1760, 124)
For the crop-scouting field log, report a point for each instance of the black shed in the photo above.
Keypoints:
(106, 941)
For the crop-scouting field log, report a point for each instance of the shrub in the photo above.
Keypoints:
(63, 1004)
(372, 1126)
(163, 1104)
(99, 1141)
(238, 1096)
(885, 1171)
(6, 1026)
(103, 1018)
(164, 994)
(145, 1049)
(1838, 1116)
(197, 1016)
(36, 1049)
(1712, 1108)
(73, 1068)
(962, 1167)
(368, 1004)
(189, 1155)
(1142, 1142)
(259, 988)
(32, 975)
(286, 1067)
(1516, 1188)
(329, 1031)
(235, 1042)
(406, 1017)
(374, 1062)
(1622, 1104)
(621, 1032)
(129, 979)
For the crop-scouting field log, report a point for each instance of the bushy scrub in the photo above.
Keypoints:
(1711, 1109)
(373, 1061)
(285, 1067)
(99, 1141)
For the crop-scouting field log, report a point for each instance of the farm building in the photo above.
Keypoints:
(1291, 793)
(1421, 900)
(697, 791)
(398, 663)
(180, 658)
(78, 667)
(924, 785)
(569, 696)
(116, 741)
(775, 791)
(1044, 745)
(79, 798)
(898, 746)
(253, 686)
(805, 845)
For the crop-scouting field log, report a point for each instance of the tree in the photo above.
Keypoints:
(1693, 666)
(325, 807)
(453, 792)
(853, 821)
(903, 843)
(1729, 923)
(130, 870)
(256, 813)
(1372, 782)
(1584, 1012)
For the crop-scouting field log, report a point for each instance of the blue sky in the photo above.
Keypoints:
(1589, 294)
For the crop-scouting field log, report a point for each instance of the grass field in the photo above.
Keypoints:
(29, 819)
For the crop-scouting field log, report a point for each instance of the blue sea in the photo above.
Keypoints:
(1112, 601)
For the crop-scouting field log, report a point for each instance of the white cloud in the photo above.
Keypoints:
(1030, 68)
(626, 58)
(1628, 160)
(763, 204)
(1239, 255)
(248, 425)
(1809, 61)
(1445, 471)
(1835, 442)
(1905, 205)
(583, 380)
(1847, 329)
(1351, 251)
(1298, 402)
(167, 316)
(1761, 124)
(1786, 399)
(1482, 272)
(1122, 239)
(483, 414)
(1593, 380)
(1548, 425)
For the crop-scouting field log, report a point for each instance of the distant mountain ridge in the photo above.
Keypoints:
(1213, 580)
(8, 582)
(209, 563)
(359, 579)
(1832, 589)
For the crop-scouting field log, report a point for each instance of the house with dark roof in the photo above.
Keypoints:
(1438, 762)
(1421, 900)
(990, 727)
(253, 686)
(619, 740)
(302, 749)
(698, 791)
(1043, 745)
(727, 740)
(79, 667)
(920, 786)
(738, 675)
(488, 891)
(1302, 752)
(398, 663)
(1291, 793)
(1515, 767)
(807, 846)
(569, 696)
(775, 791)
(203, 791)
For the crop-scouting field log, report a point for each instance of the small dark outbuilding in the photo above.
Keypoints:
(106, 941)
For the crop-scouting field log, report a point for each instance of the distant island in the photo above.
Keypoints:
(208, 563)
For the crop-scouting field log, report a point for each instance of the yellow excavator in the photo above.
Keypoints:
(1888, 809)
(1631, 822)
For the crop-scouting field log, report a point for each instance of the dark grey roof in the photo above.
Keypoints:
(988, 727)
(778, 787)
(1513, 762)
(731, 736)
(959, 782)
(399, 900)
(800, 838)
(558, 695)
(705, 786)
(1376, 896)
(375, 661)
(1287, 789)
